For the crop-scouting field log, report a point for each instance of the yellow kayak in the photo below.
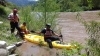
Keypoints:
(40, 39)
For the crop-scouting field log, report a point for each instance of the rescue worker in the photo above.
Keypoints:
(14, 21)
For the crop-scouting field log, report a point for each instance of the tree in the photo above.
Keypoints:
(70, 5)
(3, 2)
(48, 9)
(96, 4)
(92, 4)
(50, 5)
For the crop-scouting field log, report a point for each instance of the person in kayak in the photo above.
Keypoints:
(48, 35)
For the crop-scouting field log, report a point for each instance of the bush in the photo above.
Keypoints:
(2, 11)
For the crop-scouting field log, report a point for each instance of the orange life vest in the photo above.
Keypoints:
(13, 18)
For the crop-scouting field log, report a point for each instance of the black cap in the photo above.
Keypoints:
(49, 25)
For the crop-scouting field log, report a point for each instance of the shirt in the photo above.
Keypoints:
(23, 28)
(13, 18)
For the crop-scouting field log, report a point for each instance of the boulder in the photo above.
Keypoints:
(3, 52)
(18, 44)
(11, 48)
(14, 55)
(1, 22)
(3, 44)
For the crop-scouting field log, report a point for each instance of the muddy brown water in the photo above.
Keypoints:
(71, 29)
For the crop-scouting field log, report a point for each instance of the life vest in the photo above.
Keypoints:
(13, 18)
(48, 33)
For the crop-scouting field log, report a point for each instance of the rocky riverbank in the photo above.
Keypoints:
(8, 50)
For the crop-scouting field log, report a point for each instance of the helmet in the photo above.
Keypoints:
(48, 24)
(15, 10)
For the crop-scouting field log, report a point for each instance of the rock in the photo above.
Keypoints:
(11, 48)
(14, 55)
(1, 22)
(3, 44)
(3, 52)
(18, 44)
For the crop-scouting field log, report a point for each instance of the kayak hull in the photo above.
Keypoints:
(40, 40)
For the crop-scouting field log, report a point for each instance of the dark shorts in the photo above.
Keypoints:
(51, 38)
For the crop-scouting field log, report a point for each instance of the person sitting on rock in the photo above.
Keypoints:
(24, 28)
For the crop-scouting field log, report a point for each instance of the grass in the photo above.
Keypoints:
(5, 33)
(5, 29)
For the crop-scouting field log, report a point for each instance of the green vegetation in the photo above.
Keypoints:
(79, 5)
(26, 16)
(40, 15)
(47, 11)
(11, 5)
(2, 10)
(93, 30)
(35, 20)
(5, 27)
(72, 5)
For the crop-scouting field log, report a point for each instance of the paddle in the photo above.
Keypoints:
(60, 35)
(61, 38)
(32, 31)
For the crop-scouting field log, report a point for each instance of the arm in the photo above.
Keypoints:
(10, 17)
(56, 34)
(35, 32)
(18, 17)
(42, 31)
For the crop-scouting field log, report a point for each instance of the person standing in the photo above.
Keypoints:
(14, 21)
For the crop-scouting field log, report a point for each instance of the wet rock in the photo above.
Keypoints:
(11, 48)
(3, 52)
(3, 44)
(14, 55)
(18, 44)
